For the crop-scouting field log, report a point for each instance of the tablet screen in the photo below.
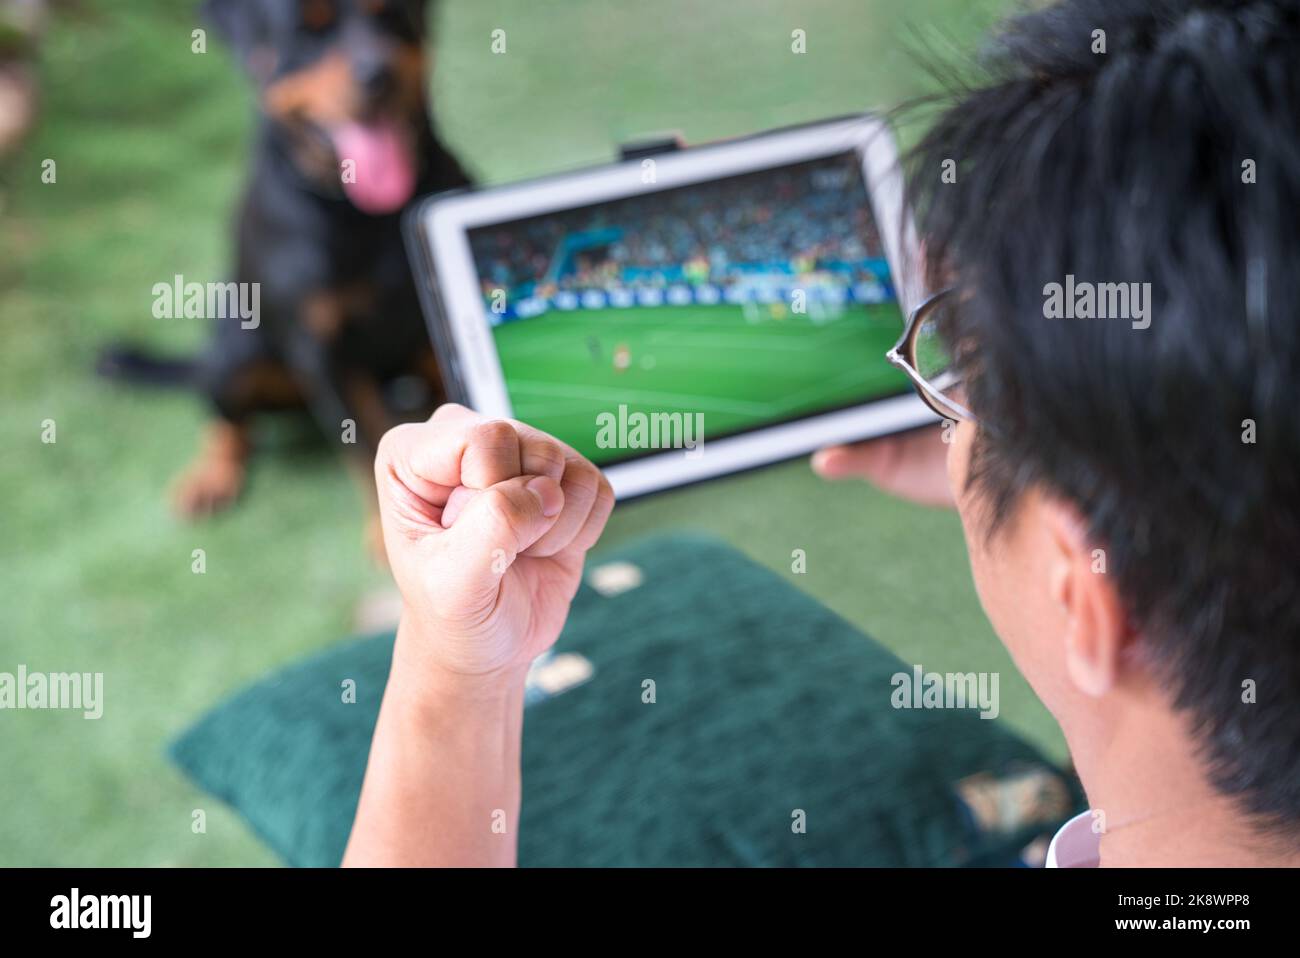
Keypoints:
(714, 308)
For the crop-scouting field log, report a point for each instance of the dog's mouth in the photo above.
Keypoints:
(377, 163)
(364, 141)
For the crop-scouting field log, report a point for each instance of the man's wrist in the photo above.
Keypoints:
(418, 682)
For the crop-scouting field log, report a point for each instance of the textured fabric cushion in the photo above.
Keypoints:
(769, 712)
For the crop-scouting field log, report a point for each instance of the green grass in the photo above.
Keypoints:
(561, 373)
(149, 141)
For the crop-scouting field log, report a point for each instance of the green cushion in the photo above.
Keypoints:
(765, 705)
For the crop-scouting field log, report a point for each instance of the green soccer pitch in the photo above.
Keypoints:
(563, 369)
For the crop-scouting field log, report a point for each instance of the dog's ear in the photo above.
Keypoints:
(242, 26)
(233, 20)
(421, 11)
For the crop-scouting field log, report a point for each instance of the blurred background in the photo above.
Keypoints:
(151, 141)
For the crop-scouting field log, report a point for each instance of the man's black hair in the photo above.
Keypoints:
(1171, 158)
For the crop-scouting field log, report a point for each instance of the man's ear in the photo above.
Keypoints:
(1097, 626)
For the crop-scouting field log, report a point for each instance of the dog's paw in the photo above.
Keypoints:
(207, 487)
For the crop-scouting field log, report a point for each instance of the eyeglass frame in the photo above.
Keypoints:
(903, 356)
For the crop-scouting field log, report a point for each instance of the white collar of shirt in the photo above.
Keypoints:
(1075, 845)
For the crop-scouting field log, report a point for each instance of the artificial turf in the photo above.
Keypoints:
(149, 139)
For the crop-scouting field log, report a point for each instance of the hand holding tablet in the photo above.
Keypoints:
(912, 466)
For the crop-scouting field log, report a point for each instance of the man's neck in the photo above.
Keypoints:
(1153, 805)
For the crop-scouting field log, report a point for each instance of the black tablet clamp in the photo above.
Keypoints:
(654, 145)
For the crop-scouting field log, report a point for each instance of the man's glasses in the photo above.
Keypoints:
(920, 353)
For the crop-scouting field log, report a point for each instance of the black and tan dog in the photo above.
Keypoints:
(343, 144)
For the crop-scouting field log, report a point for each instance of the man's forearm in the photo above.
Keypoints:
(442, 784)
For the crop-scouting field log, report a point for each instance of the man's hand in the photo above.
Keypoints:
(911, 465)
(486, 525)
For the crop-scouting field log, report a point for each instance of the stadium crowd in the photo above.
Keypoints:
(794, 220)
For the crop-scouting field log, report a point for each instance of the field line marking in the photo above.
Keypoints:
(848, 377)
(676, 400)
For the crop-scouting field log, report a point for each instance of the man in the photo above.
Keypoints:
(1125, 467)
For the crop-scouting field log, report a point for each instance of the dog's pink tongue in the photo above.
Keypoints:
(381, 176)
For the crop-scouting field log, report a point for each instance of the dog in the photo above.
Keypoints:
(344, 143)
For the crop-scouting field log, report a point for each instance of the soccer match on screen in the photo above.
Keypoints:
(756, 299)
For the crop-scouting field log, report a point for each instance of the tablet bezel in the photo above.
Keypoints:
(443, 223)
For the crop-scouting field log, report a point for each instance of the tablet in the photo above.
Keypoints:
(686, 315)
